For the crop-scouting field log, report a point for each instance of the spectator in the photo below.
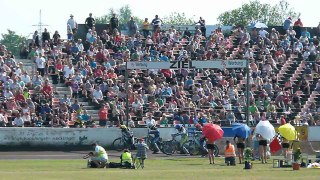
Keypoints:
(73, 24)
(41, 63)
(286, 24)
(156, 22)
(18, 121)
(45, 36)
(132, 27)
(145, 28)
(90, 21)
(114, 23)
(103, 115)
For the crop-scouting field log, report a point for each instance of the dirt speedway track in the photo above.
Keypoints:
(19, 155)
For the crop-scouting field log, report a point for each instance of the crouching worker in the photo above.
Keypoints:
(126, 159)
(230, 154)
(98, 158)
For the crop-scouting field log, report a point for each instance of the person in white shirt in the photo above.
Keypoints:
(26, 79)
(41, 62)
(8, 94)
(18, 121)
(97, 95)
(263, 33)
(68, 70)
(3, 120)
(73, 24)
(99, 157)
(150, 121)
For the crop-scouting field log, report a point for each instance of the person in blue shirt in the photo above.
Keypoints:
(164, 58)
(75, 106)
(287, 23)
(93, 64)
(45, 111)
(156, 137)
(305, 34)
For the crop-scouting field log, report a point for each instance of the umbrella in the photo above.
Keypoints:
(259, 25)
(212, 131)
(265, 129)
(241, 130)
(288, 131)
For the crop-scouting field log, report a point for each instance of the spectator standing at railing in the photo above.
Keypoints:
(45, 36)
(132, 27)
(73, 24)
(145, 28)
(203, 28)
(114, 23)
(156, 22)
(286, 25)
(90, 21)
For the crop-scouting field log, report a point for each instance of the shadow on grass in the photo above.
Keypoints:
(176, 159)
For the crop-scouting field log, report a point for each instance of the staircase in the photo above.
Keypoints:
(61, 89)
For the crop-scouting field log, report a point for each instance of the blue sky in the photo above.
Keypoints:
(20, 15)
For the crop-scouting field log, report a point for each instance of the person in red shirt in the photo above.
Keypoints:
(47, 90)
(166, 72)
(103, 115)
(19, 97)
(282, 120)
(298, 23)
(100, 56)
(112, 75)
(98, 72)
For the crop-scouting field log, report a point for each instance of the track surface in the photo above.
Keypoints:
(18, 155)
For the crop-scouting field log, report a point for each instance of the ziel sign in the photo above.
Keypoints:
(216, 64)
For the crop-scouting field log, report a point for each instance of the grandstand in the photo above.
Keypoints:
(194, 95)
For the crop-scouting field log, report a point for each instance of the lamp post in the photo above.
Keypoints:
(127, 94)
(247, 92)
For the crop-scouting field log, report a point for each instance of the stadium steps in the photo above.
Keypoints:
(29, 66)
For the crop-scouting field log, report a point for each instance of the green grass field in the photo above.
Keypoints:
(175, 168)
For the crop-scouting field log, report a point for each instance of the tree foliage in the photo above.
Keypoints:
(178, 19)
(123, 14)
(255, 11)
(13, 42)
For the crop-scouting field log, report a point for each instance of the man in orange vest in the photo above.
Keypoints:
(230, 154)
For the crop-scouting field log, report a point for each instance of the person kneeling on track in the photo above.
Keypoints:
(155, 139)
(98, 158)
(184, 137)
(126, 159)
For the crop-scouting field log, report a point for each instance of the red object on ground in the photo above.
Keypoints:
(275, 145)
(212, 132)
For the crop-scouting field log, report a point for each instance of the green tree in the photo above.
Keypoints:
(13, 42)
(178, 19)
(123, 14)
(255, 11)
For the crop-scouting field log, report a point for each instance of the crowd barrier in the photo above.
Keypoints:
(79, 137)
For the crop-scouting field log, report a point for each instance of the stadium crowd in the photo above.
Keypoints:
(94, 69)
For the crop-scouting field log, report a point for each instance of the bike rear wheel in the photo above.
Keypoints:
(192, 147)
(216, 150)
(168, 147)
(118, 144)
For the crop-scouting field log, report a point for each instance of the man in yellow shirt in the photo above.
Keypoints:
(145, 28)
(126, 159)
(98, 158)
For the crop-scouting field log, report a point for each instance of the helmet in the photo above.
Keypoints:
(123, 127)
(177, 126)
(198, 126)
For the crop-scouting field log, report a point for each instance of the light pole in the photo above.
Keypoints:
(127, 94)
(247, 92)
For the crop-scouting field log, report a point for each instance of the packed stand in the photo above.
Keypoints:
(94, 69)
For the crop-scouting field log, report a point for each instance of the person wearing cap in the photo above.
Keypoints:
(73, 24)
(142, 149)
(126, 159)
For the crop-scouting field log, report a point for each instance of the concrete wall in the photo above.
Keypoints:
(77, 138)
